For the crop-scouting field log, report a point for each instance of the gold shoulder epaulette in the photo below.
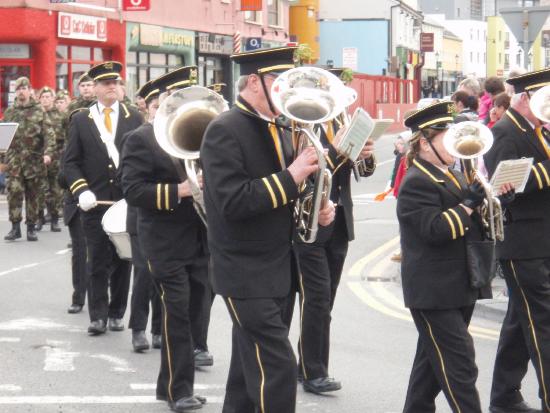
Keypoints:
(75, 111)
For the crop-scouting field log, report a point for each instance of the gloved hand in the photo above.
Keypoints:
(474, 195)
(507, 198)
(87, 200)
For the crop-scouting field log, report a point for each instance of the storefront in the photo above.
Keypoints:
(155, 50)
(213, 61)
(30, 37)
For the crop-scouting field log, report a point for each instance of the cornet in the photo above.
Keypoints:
(180, 123)
(467, 141)
(310, 95)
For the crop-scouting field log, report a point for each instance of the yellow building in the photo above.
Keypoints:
(451, 62)
(304, 25)
(497, 46)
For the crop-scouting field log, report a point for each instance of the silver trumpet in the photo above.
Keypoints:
(308, 96)
(179, 125)
(467, 141)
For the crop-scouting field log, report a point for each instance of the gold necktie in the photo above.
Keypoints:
(277, 142)
(538, 132)
(108, 124)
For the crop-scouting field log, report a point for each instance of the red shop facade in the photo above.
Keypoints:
(54, 48)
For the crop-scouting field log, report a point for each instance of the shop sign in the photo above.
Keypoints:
(349, 58)
(77, 26)
(426, 42)
(253, 43)
(160, 38)
(251, 5)
(15, 51)
(210, 43)
(136, 5)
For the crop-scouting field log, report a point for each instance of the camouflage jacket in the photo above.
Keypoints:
(55, 147)
(35, 132)
(75, 105)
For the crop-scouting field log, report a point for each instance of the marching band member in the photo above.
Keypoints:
(322, 261)
(173, 241)
(249, 188)
(437, 217)
(90, 165)
(143, 290)
(525, 252)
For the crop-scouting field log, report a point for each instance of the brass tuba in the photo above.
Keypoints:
(539, 103)
(467, 141)
(307, 96)
(180, 123)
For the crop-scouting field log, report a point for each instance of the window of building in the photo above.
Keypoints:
(458, 12)
(471, 34)
(500, 36)
(73, 61)
(253, 17)
(500, 57)
(274, 13)
(471, 57)
(143, 66)
(477, 34)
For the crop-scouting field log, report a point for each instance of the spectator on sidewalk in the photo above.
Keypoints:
(500, 106)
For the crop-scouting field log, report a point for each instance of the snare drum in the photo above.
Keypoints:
(114, 225)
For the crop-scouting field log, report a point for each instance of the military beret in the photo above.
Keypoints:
(177, 79)
(46, 89)
(436, 116)
(22, 81)
(106, 71)
(61, 94)
(263, 61)
(530, 80)
(85, 78)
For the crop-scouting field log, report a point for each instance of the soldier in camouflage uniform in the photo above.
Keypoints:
(62, 100)
(86, 94)
(52, 157)
(25, 158)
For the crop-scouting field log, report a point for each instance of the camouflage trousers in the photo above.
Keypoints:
(28, 188)
(52, 191)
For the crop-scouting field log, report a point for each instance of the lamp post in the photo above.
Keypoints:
(437, 65)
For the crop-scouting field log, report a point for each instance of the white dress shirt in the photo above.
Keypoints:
(114, 114)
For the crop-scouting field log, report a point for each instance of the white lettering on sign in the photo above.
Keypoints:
(77, 26)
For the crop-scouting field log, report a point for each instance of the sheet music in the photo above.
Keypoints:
(7, 132)
(515, 171)
(361, 128)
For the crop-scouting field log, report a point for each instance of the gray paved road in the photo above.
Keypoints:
(49, 364)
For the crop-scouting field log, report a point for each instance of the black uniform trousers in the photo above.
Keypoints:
(200, 302)
(106, 270)
(525, 332)
(262, 373)
(321, 265)
(444, 361)
(173, 279)
(143, 292)
(78, 260)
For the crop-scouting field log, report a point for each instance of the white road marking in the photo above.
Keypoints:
(63, 252)
(22, 324)
(197, 386)
(10, 339)
(117, 363)
(58, 357)
(90, 400)
(10, 387)
(22, 267)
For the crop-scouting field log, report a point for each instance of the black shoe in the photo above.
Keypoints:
(139, 341)
(188, 403)
(203, 358)
(115, 324)
(97, 327)
(157, 341)
(39, 225)
(15, 232)
(520, 407)
(54, 226)
(74, 309)
(31, 234)
(321, 385)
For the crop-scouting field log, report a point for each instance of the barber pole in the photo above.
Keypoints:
(237, 42)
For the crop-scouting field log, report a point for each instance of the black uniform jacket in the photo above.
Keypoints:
(168, 227)
(434, 229)
(87, 165)
(248, 199)
(527, 229)
(340, 192)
